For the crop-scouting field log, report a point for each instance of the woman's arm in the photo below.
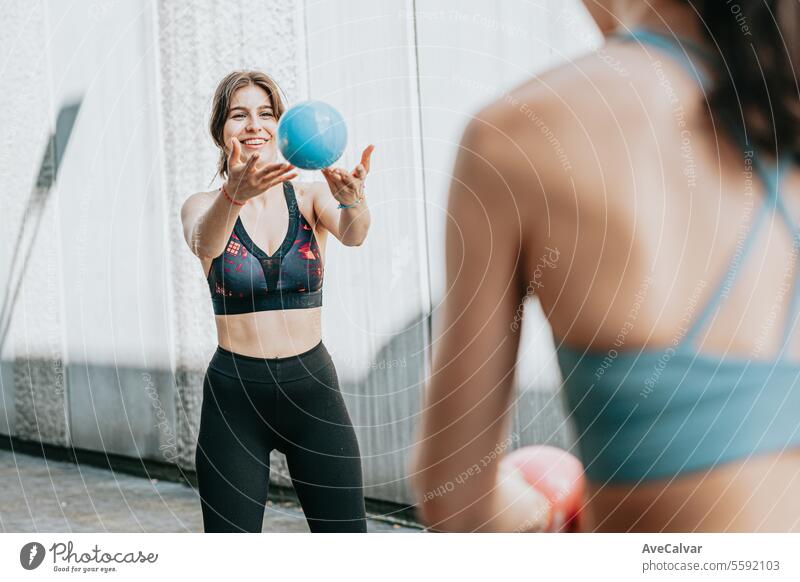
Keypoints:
(464, 429)
(208, 217)
(349, 225)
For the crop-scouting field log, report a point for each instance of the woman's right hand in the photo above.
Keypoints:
(246, 179)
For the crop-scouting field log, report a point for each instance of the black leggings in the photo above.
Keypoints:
(293, 404)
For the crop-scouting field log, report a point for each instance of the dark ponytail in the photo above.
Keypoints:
(759, 43)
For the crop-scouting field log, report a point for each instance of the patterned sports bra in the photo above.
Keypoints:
(245, 279)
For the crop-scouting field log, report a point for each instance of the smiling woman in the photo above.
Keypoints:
(230, 108)
(271, 384)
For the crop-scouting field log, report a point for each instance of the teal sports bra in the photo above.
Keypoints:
(657, 413)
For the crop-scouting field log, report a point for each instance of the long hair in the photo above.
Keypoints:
(757, 89)
(222, 99)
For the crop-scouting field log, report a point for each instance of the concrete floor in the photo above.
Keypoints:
(49, 496)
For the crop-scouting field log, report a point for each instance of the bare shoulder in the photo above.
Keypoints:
(608, 89)
(309, 189)
(197, 201)
(314, 194)
(310, 199)
(201, 197)
(559, 131)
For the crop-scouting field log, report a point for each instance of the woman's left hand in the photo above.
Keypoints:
(348, 188)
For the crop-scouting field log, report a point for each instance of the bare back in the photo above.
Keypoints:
(644, 202)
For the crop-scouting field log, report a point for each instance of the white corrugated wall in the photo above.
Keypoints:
(110, 321)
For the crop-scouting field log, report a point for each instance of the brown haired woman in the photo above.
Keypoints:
(271, 383)
(663, 169)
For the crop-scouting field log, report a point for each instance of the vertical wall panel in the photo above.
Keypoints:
(108, 196)
(32, 322)
(201, 42)
(472, 53)
(362, 60)
(23, 69)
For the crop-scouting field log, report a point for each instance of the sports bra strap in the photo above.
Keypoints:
(784, 163)
(729, 280)
(771, 179)
(678, 48)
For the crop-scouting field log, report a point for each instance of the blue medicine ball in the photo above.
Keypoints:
(312, 135)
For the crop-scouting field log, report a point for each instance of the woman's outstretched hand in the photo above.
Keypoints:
(348, 188)
(247, 179)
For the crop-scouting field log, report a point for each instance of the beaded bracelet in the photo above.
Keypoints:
(231, 200)
(353, 205)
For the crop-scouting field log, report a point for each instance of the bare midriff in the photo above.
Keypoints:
(270, 334)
